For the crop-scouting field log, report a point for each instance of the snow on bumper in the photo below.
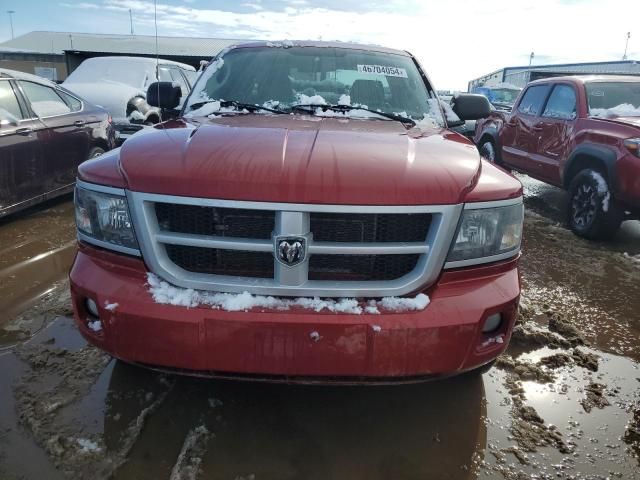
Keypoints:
(443, 338)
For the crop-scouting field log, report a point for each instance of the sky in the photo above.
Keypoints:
(454, 40)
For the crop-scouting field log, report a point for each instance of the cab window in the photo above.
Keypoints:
(532, 100)
(561, 104)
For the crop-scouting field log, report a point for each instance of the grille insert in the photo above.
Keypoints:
(221, 222)
(239, 263)
(370, 227)
(361, 267)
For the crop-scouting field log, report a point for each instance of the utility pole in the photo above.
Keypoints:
(531, 58)
(11, 12)
(626, 46)
(131, 20)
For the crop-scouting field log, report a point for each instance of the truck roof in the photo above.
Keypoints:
(321, 44)
(582, 79)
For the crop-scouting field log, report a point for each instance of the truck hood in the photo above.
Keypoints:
(301, 159)
(112, 96)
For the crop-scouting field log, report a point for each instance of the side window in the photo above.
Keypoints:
(73, 102)
(561, 104)
(532, 100)
(164, 75)
(177, 77)
(44, 100)
(9, 107)
(191, 76)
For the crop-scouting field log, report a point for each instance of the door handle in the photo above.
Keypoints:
(79, 123)
(24, 131)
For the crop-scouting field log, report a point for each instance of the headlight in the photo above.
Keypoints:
(102, 218)
(487, 234)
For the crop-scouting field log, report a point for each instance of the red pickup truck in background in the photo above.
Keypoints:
(579, 133)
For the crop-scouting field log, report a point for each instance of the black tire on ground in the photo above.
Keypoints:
(96, 152)
(485, 368)
(488, 150)
(592, 212)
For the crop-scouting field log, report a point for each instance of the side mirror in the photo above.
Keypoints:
(471, 106)
(164, 95)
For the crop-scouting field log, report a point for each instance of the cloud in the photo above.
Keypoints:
(455, 41)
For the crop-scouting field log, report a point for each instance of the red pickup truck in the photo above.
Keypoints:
(307, 216)
(580, 133)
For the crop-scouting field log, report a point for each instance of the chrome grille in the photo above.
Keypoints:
(362, 251)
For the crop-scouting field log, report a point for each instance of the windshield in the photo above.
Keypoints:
(504, 95)
(282, 77)
(122, 70)
(613, 99)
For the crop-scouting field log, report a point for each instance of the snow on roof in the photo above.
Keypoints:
(58, 42)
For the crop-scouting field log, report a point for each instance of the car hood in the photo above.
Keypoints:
(301, 159)
(113, 96)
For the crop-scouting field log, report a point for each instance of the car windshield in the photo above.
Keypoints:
(613, 99)
(284, 77)
(505, 95)
(121, 70)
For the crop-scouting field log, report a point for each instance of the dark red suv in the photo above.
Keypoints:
(45, 133)
(580, 133)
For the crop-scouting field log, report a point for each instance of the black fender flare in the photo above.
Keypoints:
(606, 156)
(492, 132)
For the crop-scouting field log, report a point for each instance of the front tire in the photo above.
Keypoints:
(592, 212)
(488, 151)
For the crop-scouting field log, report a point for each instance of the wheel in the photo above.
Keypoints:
(95, 152)
(488, 150)
(592, 211)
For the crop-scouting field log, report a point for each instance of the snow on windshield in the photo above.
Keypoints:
(622, 110)
(278, 78)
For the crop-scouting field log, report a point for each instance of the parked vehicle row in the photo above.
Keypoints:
(119, 84)
(45, 133)
(580, 133)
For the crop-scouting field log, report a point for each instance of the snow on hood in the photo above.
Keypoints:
(112, 96)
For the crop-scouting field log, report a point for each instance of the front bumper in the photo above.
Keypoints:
(441, 340)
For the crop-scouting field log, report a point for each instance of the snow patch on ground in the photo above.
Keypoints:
(88, 446)
(164, 293)
(603, 190)
(622, 110)
(634, 258)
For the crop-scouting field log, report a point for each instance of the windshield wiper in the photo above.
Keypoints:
(234, 103)
(348, 108)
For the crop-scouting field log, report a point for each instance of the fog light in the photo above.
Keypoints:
(92, 308)
(492, 323)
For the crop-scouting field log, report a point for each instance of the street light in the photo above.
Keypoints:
(531, 58)
(626, 45)
(11, 12)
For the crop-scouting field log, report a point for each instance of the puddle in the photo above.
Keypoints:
(36, 251)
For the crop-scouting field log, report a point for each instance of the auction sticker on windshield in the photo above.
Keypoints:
(383, 70)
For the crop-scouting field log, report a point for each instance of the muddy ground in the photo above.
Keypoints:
(564, 402)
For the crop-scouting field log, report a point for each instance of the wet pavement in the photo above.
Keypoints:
(559, 404)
